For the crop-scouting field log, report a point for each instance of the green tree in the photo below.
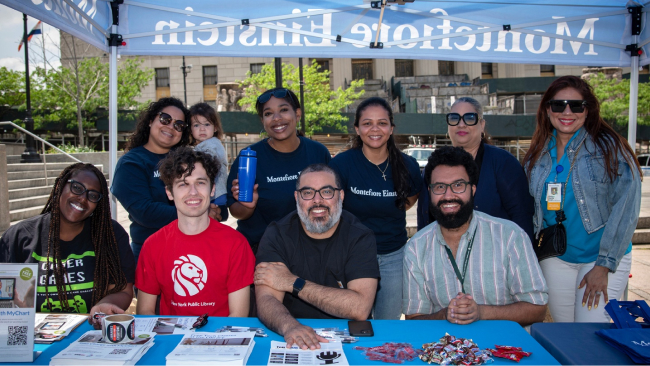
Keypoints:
(74, 93)
(12, 87)
(614, 97)
(322, 105)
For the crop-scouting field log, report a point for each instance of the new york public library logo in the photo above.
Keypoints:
(279, 34)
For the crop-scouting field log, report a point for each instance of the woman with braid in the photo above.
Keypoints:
(85, 262)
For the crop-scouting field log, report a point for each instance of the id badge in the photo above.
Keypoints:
(553, 196)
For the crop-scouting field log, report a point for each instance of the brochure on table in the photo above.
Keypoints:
(54, 327)
(89, 350)
(17, 311)
(328, 354)
(165, 325)
(232, 348)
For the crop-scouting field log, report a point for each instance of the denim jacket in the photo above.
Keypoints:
(601, 203)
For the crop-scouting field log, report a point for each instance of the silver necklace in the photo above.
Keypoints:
(383, 172)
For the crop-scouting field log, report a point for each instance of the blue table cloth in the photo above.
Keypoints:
(578, 344)
(485, 333)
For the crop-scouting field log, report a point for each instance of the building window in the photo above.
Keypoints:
(362, 69)
(324, 65)
(486, 70)
(209, 83)
(162, 83)
(404, 68)
(256, 68)
(209, 75)
(446, 67)
(547, 70)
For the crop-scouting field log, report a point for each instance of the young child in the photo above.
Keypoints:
(206, 135)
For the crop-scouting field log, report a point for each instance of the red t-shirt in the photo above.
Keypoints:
(195, 273)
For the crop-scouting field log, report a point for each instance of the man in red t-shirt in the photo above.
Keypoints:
(196, 264)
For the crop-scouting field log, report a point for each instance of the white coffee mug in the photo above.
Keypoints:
(118, 328)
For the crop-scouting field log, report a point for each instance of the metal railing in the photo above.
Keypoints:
(43, 142)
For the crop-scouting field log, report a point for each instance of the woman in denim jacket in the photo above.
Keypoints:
(601, 200)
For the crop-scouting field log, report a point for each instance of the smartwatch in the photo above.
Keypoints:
(297, 286)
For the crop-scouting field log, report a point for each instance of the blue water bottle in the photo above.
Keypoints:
(247, 170)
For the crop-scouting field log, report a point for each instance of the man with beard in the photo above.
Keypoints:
(317, 262)
(467, 265)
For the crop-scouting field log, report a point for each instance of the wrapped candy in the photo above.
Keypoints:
(509, 352)
(450, 350)
(390, 352)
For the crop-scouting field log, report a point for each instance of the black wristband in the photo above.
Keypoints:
(297, 286)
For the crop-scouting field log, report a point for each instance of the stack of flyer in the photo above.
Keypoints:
(202, 348)
(53, 327)
(90, 350)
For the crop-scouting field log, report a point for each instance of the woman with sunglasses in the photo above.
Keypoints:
(85, 263)
(381, 183)
(598, 179)
(502, 189)
(280, 159)
(137, 185)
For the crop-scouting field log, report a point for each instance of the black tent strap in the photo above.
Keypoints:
(115, 10)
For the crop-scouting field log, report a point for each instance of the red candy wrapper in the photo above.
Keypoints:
(390, 352)
(509, 352)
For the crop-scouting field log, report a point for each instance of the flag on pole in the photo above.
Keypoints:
(38, 29)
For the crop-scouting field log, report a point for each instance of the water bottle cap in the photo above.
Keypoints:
(248, 152)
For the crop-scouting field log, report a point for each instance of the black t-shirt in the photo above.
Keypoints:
(372, 199)
(26, 242)
(276, 176)
(349, 254)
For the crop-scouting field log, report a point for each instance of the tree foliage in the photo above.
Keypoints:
(12, 87)
(323, 106)
(73, 94)
(614, 97)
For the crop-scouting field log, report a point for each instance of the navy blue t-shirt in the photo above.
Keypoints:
(372, 199)
(276, 174)
(138, 187)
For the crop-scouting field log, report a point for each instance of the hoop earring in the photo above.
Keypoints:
(483, 135)
(447, 134)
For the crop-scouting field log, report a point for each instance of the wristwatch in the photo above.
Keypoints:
(298, 284)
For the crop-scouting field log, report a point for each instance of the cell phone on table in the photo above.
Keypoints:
(360, 328)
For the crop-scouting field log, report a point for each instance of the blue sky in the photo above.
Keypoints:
(11, 29)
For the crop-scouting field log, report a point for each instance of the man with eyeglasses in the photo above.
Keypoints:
(317, 262)
(467, 265)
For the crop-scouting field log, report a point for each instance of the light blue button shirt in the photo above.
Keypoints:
(581, 246)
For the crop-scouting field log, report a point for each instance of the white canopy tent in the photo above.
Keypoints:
(572, 32)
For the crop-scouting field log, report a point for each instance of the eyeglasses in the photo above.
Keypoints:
(457, 187)
(278, 93)
(308, 193)
(166, 119)
(453, 119)
(200, 321)
(558, 106)
(79, 189)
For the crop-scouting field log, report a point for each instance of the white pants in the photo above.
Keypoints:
(564, 297)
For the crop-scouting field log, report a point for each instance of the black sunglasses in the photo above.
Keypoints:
(79, 189)
(166, 119)
(453, 119)
(558, 106)
(279, 93)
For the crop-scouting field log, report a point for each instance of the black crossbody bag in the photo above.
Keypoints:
(552, 240)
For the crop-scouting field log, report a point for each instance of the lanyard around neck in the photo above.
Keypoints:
(461, 278)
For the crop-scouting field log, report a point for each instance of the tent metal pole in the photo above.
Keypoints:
(634, 98)
(278, 72)
(112, 119)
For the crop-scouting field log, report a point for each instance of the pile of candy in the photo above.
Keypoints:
(450, 350)
(390, 352)
(509, 352)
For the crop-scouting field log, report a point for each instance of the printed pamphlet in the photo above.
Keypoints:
(90, 350)
(232, 348)
(17, 311)
(328, 354)
(53, 327)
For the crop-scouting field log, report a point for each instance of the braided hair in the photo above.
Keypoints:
(107, 258)
(401, 176)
